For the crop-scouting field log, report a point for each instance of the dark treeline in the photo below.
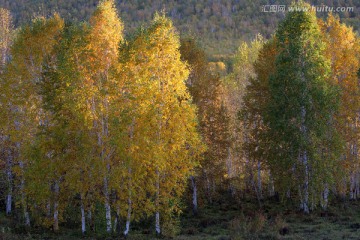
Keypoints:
(221, 24)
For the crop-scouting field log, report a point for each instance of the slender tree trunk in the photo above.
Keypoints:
(117, 220)
(104, 128)
(343, 194)
(325, 196)
(255, 189)
(208, 187)
(306, 184)
(100, 134)
(157, 204)
(128, 217)
(56, 206)
(194, 197)
(229, 164)
(352, 185)
(312, 202)
(48, 208)
(259, 179)
(9, 175)
(357, 185)
(304, 159)
(107, 206)
(271, 185)
(90, 220)
(23, 196)
(83, 218)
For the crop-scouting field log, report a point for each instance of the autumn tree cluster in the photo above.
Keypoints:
(299, 110)
(93, 120)
(112, 130)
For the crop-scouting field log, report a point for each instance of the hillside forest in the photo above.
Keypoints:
(109, 128)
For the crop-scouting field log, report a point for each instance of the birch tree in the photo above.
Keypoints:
(32, 46)
(7, 153)
(343, 51)
(301, 107)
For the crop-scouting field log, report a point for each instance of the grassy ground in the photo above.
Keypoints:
(235, 221)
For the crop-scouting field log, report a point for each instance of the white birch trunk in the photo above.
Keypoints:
(83, 218)
(259, 180)
(8, 201)
(352, 186)
(304, 158)
(90, 220)
(106, 158)
(194, 200)
(128, 217)
(344, 194)
(255, 188)
(100, 133)
(157, 223)
(356, 173)
(9, 179)
(23, 197)
(48, 208)
(357, 185)
(208, 187)
(107, 206)
(271, 185)
(325, 197)
(229, 164)
(306, 183)
(157, 204)
(117, 220)
(56, 206)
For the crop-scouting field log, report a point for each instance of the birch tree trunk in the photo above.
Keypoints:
(357, 185)
(83, 218)
(23, 196)
(157, 203)
(325, 196)
(271, 185)
(9, 179)
(352, 185)
(107, 205)
(56, 206)
(252, 179)
(259, 179)
(105, 131)
(100, 134)
(128, 217)
(229, 164)
(117, 220)
(194, 197)
(90, 219)
(304, 159)
(306, 183)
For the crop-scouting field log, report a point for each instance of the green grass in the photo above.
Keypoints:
(232, 221)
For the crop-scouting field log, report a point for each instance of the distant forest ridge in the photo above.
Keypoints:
(219, 25)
